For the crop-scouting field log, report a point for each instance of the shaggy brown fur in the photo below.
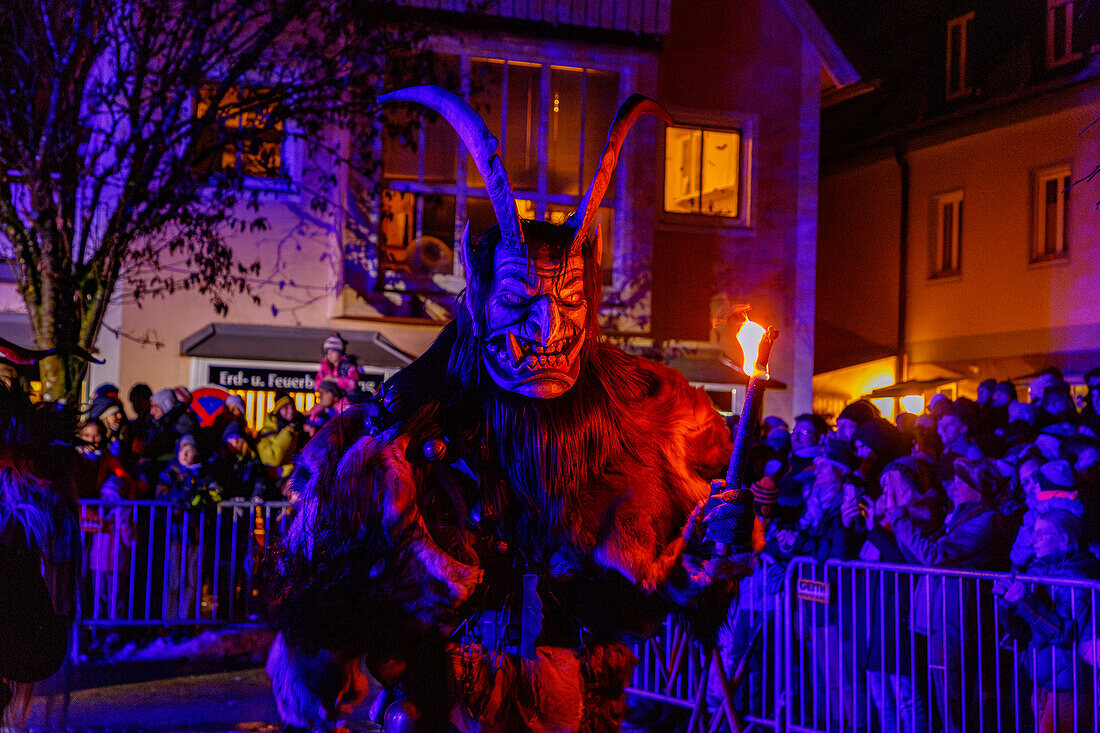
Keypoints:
(39, 547)
(591, 491)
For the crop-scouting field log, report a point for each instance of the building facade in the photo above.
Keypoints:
(959, 233)
(719, 209)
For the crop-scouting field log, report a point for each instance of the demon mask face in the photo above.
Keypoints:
(533, 318)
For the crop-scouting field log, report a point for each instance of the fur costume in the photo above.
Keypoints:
(485, 539)
(39, 546)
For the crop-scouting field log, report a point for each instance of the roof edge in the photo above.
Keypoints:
(836, 64)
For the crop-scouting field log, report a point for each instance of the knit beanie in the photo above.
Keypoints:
(235, 400)
(183, 440)
(232, 430)
(1057, 480)
(859, 412)
(880, 436)
(102, 406)
(106, 390)
(282, 399)
(140, 391)
(165, 399)
(183, 394)
(111, 407)
(334, 341)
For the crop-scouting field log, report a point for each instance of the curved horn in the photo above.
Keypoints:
(19, 356)
(629, 112)
(483, 147)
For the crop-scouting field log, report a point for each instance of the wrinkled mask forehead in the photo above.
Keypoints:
(535, 318)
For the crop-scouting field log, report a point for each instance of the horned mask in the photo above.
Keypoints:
(535, 317)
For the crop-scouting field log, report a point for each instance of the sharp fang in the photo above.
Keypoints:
(513, 349)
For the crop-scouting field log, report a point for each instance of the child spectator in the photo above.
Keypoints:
(337, 366)
(330, 402)
(237, 468)
(186, 484)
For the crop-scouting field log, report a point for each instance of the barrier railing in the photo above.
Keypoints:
(923, 649)
(154, 563)
(806, 647)
(847, 646)
(738, 683)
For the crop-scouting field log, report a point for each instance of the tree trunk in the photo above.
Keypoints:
(61, 379)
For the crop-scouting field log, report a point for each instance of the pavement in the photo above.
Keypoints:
(236, 701)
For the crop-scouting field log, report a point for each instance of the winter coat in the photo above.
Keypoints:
(278, 441)
(241, 475)
(191, 490)
(111, 543)
(1052, 620)
(163, 433)
(345, 374)
(964, 540)
(829, 538)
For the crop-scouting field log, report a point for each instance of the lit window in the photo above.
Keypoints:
(947, 243)
(957, 84)
(1060, 32)
(250, 137)
(551, 121)
(703, 171)
(1051, 208)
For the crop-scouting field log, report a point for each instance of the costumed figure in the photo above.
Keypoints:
(40, 553)
(514, 506)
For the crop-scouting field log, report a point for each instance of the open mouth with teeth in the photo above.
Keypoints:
(517, 361)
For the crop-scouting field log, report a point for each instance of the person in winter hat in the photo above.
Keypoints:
(281, 435)
(117, 438)
(337, 366)
(877, 442)
(1053, 620)
(237, 468)
(171, 420)
(188, 485)
(851, 417)
(1049, 485)
(330, 403)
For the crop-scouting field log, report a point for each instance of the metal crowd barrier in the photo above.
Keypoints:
(806, 647)
(870, 646)
(155, 563)
(738, 684)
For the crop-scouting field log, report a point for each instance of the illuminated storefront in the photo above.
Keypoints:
(255, 362)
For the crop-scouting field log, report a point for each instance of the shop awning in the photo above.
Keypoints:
(285, 343)
(913, 386)
(16, 327)
(714, 371)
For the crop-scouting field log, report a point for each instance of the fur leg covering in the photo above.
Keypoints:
(313, 690)
(544, 694)
(607, 671)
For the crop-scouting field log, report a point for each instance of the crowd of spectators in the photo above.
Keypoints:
(994, 483)
(156, 447)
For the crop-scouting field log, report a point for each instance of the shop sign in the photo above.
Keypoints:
(288, 380)
(231, 377)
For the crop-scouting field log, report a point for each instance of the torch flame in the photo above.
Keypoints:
(750, 337)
